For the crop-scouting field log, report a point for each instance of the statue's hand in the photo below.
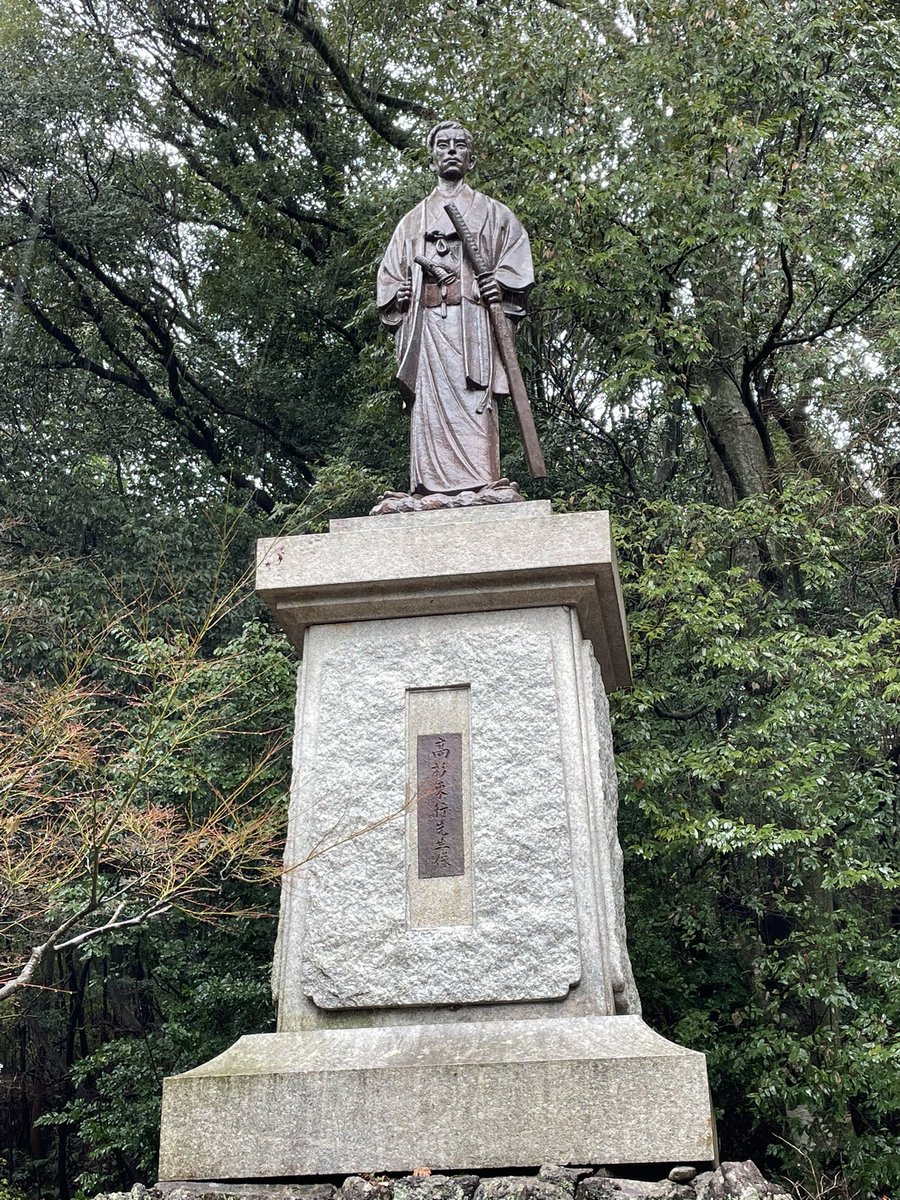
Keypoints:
(404, 295)
(489, 289)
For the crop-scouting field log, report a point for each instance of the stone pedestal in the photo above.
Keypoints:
(452, 978)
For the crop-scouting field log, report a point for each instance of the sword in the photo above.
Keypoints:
(502, 332)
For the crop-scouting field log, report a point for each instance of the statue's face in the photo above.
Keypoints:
(451, 155)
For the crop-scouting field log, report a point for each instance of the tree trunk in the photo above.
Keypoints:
(736, 452)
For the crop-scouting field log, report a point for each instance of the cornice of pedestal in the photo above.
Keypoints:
(480, 559)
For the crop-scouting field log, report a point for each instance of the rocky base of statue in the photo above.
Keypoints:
(732, 1181)
(501, 491)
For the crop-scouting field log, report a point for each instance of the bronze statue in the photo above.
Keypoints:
(452, 284)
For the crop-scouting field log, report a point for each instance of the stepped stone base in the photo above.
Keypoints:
(464, 1095)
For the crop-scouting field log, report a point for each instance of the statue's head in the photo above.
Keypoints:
(451, 153)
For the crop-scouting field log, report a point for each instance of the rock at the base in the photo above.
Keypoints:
(355, 1187)
(204, 1190)
(731, 1181)
(567, 1178)
(736, 1181)
(600, 1187)
(552, 1183)
(138, 1192)
(435, 1187)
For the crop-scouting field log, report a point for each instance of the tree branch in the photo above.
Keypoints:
(39, 952)
(771, 341)
(57, 940)
(831, 320)
(201, 438)
(155, 910)
(296, 15)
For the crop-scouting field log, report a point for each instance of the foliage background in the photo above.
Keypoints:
(193, 199)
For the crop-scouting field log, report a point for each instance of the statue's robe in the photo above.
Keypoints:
(448, 363)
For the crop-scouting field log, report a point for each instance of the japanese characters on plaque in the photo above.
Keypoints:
(439, 816)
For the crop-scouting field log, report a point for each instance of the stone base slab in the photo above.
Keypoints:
(505, 1093)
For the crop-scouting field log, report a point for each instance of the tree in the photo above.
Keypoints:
(90, 845)
(759, 747)
(143, 775)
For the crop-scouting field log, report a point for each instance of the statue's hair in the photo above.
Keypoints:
(450, 125)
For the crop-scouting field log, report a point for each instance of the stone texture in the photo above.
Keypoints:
(602, 820)
(736, 1181)
(566, 1177)
(357, 1188)
(205, 1190)
(517, 1187)
(682, 1174)
(608, 1187)
(436, 1187)
(547, 865)
(137, 1192)
(350, 806)
(460, 560)
(551, 1183)
(460, 1096)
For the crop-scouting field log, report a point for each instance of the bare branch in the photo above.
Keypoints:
(113, 924)
(39, 952)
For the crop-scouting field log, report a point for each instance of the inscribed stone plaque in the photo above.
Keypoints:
(436, 896)
(439, 818)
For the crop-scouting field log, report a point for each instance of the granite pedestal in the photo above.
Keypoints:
(452, 977)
